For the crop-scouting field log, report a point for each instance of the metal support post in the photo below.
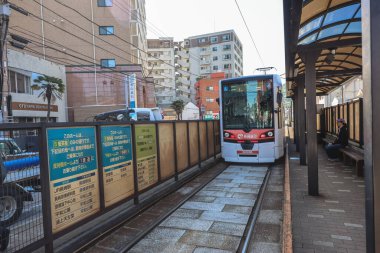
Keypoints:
(311, 108)
(371, 121)
(301, 121)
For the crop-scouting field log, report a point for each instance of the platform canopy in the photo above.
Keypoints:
(332, 26)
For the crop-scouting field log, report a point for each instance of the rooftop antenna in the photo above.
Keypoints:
(265, 69)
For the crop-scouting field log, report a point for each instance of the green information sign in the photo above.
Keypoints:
(74, 187)
(117, 163)
(146, 154)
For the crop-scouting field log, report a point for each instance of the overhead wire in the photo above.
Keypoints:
(250, 34)
(122, 39)
(155, 29)
(88, 68)
(89, 42)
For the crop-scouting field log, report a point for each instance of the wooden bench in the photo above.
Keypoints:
(356, 156)
(328, 139)
(349, 152)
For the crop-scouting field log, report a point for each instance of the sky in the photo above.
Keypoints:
(184, 18)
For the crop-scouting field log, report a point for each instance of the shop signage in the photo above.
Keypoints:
(21, 106)
(74, 187)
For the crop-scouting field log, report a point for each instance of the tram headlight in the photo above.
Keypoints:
(270, 134)
(227, 135)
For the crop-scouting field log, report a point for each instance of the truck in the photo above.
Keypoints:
(20, 176)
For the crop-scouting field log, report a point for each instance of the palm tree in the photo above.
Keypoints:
(178, 106)
(52, 88)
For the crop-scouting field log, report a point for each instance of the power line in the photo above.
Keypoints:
(97, 46)
(37, 36)
(250, 34)
(114, 34)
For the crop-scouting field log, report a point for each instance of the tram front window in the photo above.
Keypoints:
(248, 105)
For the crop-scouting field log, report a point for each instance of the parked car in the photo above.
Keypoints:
(20, 175)
(130, 114)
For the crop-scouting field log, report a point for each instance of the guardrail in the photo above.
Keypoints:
(85, 170)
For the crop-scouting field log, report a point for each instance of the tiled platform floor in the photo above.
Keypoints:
(213, 220)
(334, 221)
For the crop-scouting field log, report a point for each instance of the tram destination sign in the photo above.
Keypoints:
(74, 186)
(146, 154)
(117, 163)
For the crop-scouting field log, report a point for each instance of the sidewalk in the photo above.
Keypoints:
(334, 221)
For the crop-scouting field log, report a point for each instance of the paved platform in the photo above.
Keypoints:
(333, 221)
(213, 220)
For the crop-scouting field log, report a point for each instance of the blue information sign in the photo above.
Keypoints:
(74, 187)
(117, 163)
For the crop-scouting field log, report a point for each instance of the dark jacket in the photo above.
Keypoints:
(342, 136)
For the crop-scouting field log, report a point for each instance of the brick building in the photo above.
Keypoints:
(207, 91)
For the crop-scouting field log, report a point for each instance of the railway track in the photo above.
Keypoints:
(220, 206)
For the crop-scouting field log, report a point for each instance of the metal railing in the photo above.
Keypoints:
(64, 175)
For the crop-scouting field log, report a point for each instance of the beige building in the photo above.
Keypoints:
(99, 38)
(161, 67)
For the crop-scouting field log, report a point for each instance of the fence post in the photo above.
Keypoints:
(158, 153)
(188, 144)
(361, 123)
(100, 165)
(208, 155)
(199, 146)
(45, 190)
(135, 177)
(175, 151)
(213, 138)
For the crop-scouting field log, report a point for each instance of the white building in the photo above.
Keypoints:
(214, 52)
(24, 103)
(182, 74)
(161, 68)
(348, 91)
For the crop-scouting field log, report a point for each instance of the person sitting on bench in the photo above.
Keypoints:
(332, 149)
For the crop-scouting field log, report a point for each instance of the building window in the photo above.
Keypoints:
(107, 63)
(19, 83)
(215, 58)
(215, 49)
(209, 100)
(226, 37)
(210, 88)
(104, 3)
(215, 67)
(226, 47)
(106, 30)
(214, 39)
(227, 57)
(203, 49)
(202, 40)
(227, 66)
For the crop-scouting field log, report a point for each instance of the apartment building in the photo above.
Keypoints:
(182, 75)
(162, 69)
(207, 92)
(102, 39)
(214, 52)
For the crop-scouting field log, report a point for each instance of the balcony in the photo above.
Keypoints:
(205, 71)
(205, 62)
(206, 52)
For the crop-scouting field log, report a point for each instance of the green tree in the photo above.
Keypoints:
(52, 88)
(178, 106)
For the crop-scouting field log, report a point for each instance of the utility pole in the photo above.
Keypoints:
(4, 16)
